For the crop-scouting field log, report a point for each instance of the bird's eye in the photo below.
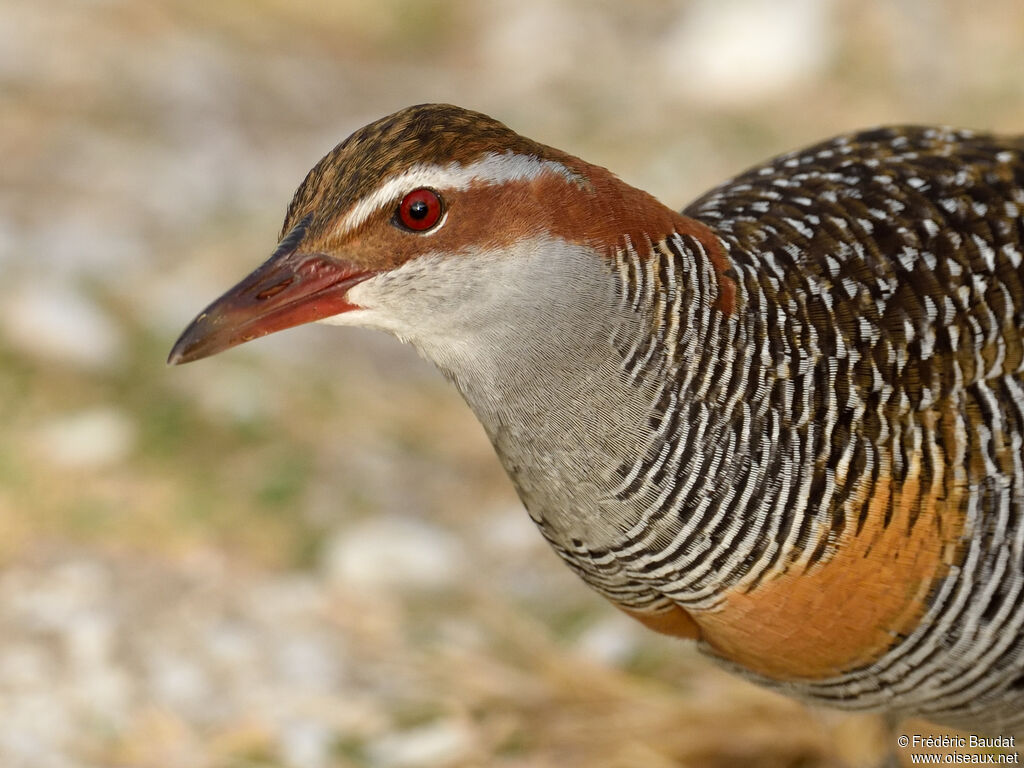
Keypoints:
(420, 210)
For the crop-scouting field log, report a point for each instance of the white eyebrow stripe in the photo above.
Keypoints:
(492, 168)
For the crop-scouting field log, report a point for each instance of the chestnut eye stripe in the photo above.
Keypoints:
(491, 168)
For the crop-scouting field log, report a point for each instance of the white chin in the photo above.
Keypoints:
(352, 317)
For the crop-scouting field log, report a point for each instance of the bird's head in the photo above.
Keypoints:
(432, 220)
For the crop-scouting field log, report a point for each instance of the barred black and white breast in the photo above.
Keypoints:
(882, 280)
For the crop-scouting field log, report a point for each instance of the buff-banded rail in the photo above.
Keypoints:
(786, 423)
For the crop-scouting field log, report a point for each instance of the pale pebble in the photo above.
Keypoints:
(59, 323)
(611, 640)
(745, 50)
(393, 552)
(90, 439)
(430, 746)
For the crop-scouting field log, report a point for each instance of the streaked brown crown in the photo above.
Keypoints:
(421, 134)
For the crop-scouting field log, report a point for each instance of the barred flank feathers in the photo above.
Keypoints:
(878, 350)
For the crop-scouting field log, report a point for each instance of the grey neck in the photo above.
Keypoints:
(608, 387)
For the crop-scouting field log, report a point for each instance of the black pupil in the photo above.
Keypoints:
(418, 210)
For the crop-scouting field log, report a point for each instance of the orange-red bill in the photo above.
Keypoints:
(289, 289)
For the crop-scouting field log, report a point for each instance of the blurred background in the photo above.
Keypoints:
(303, 552)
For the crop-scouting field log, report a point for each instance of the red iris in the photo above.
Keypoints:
(420, 210)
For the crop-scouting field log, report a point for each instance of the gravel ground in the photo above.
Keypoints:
(121, 660)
